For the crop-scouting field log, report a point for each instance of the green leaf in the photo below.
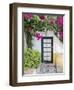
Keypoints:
(32, 58)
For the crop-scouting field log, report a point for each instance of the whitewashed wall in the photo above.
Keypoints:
(57, 44)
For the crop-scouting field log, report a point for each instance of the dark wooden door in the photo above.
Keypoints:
(47, 49)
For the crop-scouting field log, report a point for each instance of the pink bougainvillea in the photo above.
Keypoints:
(42, 17)
(51, 21)
(28, 16)
(59, 21)
(38, 36)
(43, 23)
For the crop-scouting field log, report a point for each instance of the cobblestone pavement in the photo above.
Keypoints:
(48, 68)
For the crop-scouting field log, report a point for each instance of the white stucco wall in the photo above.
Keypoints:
(57, 44)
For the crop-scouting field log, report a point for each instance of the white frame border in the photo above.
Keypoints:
(65, 76)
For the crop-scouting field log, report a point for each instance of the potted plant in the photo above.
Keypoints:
(32, 60)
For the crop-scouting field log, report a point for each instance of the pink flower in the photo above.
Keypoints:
(28, 16)
(59, 21)
(42, 17)
(38, 36)
(52, 21)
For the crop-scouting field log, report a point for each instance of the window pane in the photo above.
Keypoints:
(47, 49)
(47, 41)
(47, 58)
(47, 45)
(47, 54)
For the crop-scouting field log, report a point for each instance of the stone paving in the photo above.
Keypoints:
(49, 68)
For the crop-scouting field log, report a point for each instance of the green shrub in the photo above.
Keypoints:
(32, 58)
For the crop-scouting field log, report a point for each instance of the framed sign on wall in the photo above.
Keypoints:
(40, 44)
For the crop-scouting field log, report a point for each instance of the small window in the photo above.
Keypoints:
(47, 49)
